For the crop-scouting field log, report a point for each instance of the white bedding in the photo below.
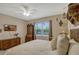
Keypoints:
(35, 47)
(74, 47)
(40, 47)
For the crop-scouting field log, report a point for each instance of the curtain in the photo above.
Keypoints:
(50, 31)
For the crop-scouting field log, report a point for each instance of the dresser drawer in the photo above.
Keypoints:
(8, 43)
(5, 44)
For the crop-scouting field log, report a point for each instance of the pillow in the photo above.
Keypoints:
(72, 41)
(74, 49)
(54, 44)
(62, 44)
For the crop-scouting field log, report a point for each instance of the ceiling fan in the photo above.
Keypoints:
(26, 10)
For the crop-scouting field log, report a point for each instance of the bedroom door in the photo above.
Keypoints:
(30, 32)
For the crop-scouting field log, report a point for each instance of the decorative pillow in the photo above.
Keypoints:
(72, 42)
(62, 44)
(54, 44)
(74, 49)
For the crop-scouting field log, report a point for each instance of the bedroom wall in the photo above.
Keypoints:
(21, 27)
(41, 20)
(56, 29)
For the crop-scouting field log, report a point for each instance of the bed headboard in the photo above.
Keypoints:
(74, 34)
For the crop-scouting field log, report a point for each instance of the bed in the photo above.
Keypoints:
(40, 47)
(74, 47)
(35, 47)
(43, 47)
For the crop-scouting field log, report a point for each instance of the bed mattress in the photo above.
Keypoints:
(35, 47)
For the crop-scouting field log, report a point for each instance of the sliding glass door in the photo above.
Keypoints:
(42, 30)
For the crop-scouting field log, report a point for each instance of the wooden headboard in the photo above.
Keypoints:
(74, 34)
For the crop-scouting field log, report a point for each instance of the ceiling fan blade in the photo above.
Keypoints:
(32, 11)
(26, 10)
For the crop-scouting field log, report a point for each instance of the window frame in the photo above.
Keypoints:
(42, 34)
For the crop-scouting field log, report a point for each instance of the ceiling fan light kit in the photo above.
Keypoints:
(27, 11)
(26, 14)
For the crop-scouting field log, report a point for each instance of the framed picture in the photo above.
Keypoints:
(10, 27)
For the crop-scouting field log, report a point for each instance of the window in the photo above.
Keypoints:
(42, 28)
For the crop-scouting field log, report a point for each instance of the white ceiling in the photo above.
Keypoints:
(40, 9)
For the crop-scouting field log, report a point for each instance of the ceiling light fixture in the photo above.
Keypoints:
(27, 11)
(26, 14)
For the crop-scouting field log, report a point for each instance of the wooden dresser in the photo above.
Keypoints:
(8, 43)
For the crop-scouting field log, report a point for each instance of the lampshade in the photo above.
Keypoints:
(73, 13)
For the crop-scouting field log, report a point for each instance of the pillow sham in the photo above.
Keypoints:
(74, 49)
(54, 44)
(62, 44)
